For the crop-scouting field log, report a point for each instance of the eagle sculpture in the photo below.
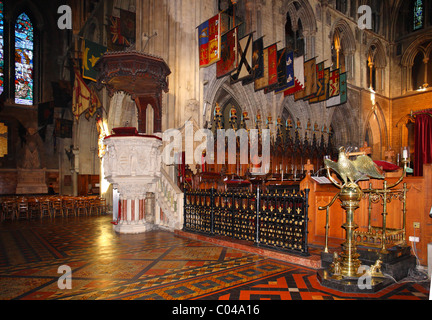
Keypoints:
(353, 171)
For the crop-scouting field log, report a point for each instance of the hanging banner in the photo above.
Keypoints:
(203, 42)
(325, 95)
(244, 70)
(214, 39)
(273, 70)
(117, 37)
(310, 74)
(334, 86)
(128, 25)
(91, 54)
(281, 70)
(80, 97)
(343, 88)
(262, 82)
(209, 38)
(229, 59)
(298, 77)
(272, 65)
(320, 83)
(288, 82)
(257, 58)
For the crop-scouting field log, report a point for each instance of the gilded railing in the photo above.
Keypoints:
(275, 220)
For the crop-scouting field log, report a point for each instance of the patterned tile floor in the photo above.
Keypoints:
(154, 266)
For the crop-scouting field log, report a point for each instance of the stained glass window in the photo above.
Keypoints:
(418, 14)
(23, 60)
(1, 48)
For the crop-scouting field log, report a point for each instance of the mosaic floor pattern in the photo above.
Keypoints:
(154, 266)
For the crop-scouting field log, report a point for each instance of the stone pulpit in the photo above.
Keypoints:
(132, 162)
(132, 165)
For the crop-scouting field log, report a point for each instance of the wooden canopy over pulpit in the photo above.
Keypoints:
(144, 77)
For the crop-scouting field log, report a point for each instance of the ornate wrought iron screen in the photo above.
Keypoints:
(275, 220)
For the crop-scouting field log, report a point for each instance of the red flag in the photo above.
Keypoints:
(272, 65)
(214, 39)
(209, 39)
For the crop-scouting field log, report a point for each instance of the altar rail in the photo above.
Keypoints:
(274, 220)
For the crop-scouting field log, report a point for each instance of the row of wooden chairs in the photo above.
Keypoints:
(51, 206)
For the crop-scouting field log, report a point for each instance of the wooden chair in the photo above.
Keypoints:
(33, 207)
(102, 206)
(94, 206)
(56, 205)
(45, 208)
(98, 206)
(69, 206)
(9, 210)
(82, 205)
(22, 208)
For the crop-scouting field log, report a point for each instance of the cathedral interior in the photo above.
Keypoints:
(104, 107)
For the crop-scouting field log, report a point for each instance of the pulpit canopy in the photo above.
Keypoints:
(144, 77)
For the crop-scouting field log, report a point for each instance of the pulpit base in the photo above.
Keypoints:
(133, 227)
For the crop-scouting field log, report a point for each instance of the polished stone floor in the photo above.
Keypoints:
(158, 265)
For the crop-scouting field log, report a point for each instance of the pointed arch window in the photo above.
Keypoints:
(294, 38)
(1, 49)
(24, 37)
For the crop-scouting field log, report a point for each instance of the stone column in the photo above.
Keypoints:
(426, 61)
(131, 217)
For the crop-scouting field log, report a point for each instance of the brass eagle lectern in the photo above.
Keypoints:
(350, 195)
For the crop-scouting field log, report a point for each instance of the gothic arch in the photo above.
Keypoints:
(377, 52)
(395, 18)
(304, 12)
(412, 50)
(375, 122)
(376, 64)
(346, 125)
(421, 44)
(300, 110)
(221, 91)
(31, 10)
(117, 117)
(344, 45)
(347, 40)
(405, 135)
(88, 146)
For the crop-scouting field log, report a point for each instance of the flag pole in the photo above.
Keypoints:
(234, 3)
